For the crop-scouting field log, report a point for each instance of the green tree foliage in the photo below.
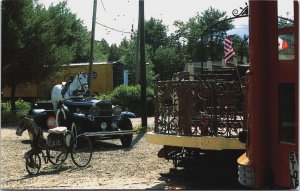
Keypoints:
(69, 32)
(167, 62)
(151, 76)
(240, 46)
(212, 39)
(164, 52)
(128, 56)
(128, 50)
(101, 51)
(164, 55)
(114, 54)
(155, 33)
(123, 46)
(37, 41)
(23, 44)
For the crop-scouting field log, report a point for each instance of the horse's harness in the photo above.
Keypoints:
(66, 87)
(82, 85)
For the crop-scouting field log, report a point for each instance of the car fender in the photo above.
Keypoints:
(39, 116)
(126, 114)
(33, 112)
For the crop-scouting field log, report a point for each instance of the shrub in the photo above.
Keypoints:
(129, 97)
(5, 106)
(22, 107)
(8, 116)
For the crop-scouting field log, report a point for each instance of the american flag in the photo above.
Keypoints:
(228, 49)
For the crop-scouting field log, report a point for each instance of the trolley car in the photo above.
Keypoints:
(198, 114)
(271, 158)
(259, 115)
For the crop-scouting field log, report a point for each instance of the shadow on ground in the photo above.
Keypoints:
(216, 172)
(49, 170)
(112, 145)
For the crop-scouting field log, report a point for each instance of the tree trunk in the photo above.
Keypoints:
(13, 98)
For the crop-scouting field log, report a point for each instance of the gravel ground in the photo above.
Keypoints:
(111, 167)
(114, 167)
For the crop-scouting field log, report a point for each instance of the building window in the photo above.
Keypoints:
(287, 113)
(285, 13)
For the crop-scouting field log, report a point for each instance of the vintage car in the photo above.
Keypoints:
(96, 118)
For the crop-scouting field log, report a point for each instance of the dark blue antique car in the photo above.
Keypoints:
(93, 117)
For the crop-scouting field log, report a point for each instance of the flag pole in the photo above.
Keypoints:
(229, 53)
(239, 76)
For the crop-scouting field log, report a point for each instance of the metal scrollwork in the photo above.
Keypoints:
(198, 108)
(243, 12)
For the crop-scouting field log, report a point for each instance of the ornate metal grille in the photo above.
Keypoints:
(199, 108)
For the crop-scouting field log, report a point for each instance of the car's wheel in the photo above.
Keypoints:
(126, 139)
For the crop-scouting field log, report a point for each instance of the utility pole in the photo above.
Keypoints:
(142, 63)
(92, 47)
(137, 73)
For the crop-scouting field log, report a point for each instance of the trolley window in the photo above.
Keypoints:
(287, 113)
(285, 13)
(286, 46)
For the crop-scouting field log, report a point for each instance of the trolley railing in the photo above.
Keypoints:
(211, 107)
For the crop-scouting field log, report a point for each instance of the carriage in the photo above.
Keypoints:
(55, 148)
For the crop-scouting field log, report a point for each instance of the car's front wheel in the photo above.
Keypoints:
(126, 139)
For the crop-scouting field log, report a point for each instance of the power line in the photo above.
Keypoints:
(103, 5)
(113, 28)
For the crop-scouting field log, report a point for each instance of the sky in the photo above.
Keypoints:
(123, 14)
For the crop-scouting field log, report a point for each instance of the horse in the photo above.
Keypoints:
(34, 131)
(38, 141)
(60, 92)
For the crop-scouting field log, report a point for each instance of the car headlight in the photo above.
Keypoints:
(117, 110)
(114, 125)
(103, 126)
(95, 111)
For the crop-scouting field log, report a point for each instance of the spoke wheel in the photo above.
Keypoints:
(33, 164)
(82, 151)
(57, 157)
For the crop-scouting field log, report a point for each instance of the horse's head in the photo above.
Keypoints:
(82, 81)
(24, 125)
